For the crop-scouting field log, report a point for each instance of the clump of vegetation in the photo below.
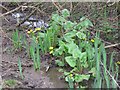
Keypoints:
(17, 39)
(80, 57)
(10, 83)
(82, 54)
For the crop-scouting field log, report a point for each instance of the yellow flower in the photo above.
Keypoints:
(118, 62)
(30, 31)
(51, 51)
(51, 48)
(92, 40)
(37, 29)
(71, 75)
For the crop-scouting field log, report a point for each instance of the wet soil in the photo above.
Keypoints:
(32, 78)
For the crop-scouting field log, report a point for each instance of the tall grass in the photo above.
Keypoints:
(106, 74)
(35, 54)
(98, 80)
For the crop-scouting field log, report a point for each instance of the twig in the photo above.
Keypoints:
(4, 7)
(110, 75)
(71, 6)
(1, 15)
(10, 11)
(56, 5)
(113, 45)
(34, 8)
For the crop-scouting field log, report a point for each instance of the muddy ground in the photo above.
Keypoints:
(32, 78)
(39, 79)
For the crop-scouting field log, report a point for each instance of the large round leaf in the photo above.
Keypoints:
(71, 61)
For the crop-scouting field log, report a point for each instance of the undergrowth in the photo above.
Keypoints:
(80, 57)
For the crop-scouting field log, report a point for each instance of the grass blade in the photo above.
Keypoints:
(20, 68)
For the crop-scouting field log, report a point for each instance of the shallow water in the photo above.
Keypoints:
(54, 76)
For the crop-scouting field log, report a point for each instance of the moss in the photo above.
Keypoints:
(10, 82)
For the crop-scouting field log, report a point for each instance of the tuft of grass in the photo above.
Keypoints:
(10, 82)
(20, 68)
(35, 54)
(17, 40)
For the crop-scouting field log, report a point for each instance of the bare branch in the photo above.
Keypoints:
(113, 45)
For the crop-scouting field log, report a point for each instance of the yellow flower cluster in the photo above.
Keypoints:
(51, 50)
(30, 31)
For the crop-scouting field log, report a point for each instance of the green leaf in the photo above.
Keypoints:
(69, 78)
(60, 49)
(71, 33)
(59, 63)
(55, 17)
(93, 71)
(71, 61)
(81, 35)
(76, 53)
(68, 25)
(73, 49)
(40, 34)
(68, 39)
(66, 73)
(65, 13)
(80, 78)
(60, 20)
(83, 56)
(85, 22)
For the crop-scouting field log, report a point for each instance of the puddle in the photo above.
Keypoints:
(54, 75)
(32, 78)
